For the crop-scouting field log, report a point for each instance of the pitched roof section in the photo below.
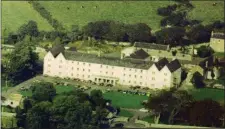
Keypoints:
(139, 54)
(57, 49)
(174, 65)
(91, 58)
(218, 36)
(161, 63)
(150, 46)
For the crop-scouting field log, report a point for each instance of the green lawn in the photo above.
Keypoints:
(125, 113)
(219, 54)
(59, 90)
(203, 93)
(16, 13)
(125, 100)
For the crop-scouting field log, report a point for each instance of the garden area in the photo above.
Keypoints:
(204, 93)
(125, 100)
(125, 113)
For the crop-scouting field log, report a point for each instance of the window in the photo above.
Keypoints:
(48, 71)
(153, 72)
(100, 71)
(49, 59)
(165, 74)
(89, 70)
(165, 80)
(83, 69)
(153, 78)
(152, 84)
(129, 75)
(101, 66)
(72, 61)
(141, 83)
(77, 69)
(77, 63)
(60, 66)
(124, 74)
(140, 76)
(129, 82)
(72, 68)
(141, 71)
(60, 61)
(71, 74)
(135, 70)
(112, 67)
(107, 67)
(134, 82)
(83, 63)
(49, 65)
(89, 64)
(60, 73)
(124, 68)
(130, 69)
(78, 75)
(88, 76)
(82, 75)
(112, 73)
(135, 75)
(106, 72)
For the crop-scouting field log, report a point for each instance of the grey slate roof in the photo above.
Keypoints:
(91, 58)
(57, 49)
(161, 63)
(218, 36)
(150, 46)
(174, 65)
(139, 54)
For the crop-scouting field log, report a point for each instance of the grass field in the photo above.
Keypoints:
(149, 119)
(215, 94)
(72, 13)
(206, 12)
(125, 100)
(125, 113)
(16, 13)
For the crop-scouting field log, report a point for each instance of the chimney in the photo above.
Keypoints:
(206, 64)
(168, 47)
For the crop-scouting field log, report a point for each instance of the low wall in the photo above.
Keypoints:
(146, 124)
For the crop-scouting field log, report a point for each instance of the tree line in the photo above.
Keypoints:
(46, 109)
(179, 107)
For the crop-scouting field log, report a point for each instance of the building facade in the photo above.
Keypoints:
(74, 65)
(217, 42)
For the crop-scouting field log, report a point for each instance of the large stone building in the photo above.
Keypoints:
(217, 42)
(113, 71)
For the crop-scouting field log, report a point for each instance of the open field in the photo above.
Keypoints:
(72, 13)
(125, 100)
(206, 12)
(17, 13)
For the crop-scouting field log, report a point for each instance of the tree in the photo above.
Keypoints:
(43, 91)
(175, 19)
(166, 11)
(22, 62)
(38, 116)
(171, 36)
(97, 98)
(197, 80)
(199, 34)
(204, 51)
(139, 32)
(30, 29)
(181, 99)
(206, 113)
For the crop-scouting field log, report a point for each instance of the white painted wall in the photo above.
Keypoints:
(151, 78)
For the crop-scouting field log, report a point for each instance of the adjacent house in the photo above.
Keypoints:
(217, 42)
